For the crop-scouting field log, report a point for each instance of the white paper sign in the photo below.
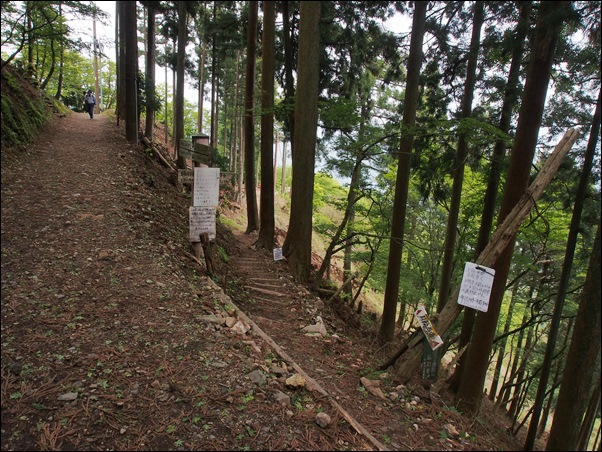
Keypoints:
(476, 286)
(278, 254)
(428, 329)
(206, 187)
(202, 219)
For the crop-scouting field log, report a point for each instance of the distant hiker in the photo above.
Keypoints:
(89, 103)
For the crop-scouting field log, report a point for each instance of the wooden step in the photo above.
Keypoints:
(267, 292)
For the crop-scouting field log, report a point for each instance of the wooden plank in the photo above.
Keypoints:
(186, 144)
(267, 292)
(203, 149)
(194, 156)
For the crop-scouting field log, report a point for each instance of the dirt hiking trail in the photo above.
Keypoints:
(114, 338)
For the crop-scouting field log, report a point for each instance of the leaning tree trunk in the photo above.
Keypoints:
(336, 238)
(505, 233)
(470, 391)
(47, 79)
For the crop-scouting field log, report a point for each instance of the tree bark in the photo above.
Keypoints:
(267, 222)
(297, 246)
(179, 98)
(131, 69)
(289, 86)
(150, 73)
(251, 195)
(387, 325)
(121, 103)
(460, 161)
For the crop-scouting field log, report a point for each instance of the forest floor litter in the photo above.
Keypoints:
(115, 338)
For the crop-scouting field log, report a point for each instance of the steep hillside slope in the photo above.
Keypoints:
(24, 109)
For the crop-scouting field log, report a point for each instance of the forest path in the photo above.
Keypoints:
(114, 339)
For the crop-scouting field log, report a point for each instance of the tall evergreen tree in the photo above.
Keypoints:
(180, 78)
(297, 246)
(267, 223)
(387, 326)
(461, 155)
(151, 9)
(131, 70)
(120, 39)
(550, 18)
(249, 133)
(579, 370)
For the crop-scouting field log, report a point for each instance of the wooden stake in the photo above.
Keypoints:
(208, 251)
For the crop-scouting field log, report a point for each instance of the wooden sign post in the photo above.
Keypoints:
(197, 152)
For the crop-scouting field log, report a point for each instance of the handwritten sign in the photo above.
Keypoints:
(476, 286)
(278, 254)
(202, 219)
(428, 329)
(206, 187)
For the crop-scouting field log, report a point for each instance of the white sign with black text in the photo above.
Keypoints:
(202, 219)
(476, 286)
(206, 187)
(428, 329)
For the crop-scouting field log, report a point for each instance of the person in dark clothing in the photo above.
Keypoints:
(89, 103)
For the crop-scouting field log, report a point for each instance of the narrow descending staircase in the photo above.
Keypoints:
(266, 285)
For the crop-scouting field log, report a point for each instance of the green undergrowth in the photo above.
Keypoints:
(24, 109)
